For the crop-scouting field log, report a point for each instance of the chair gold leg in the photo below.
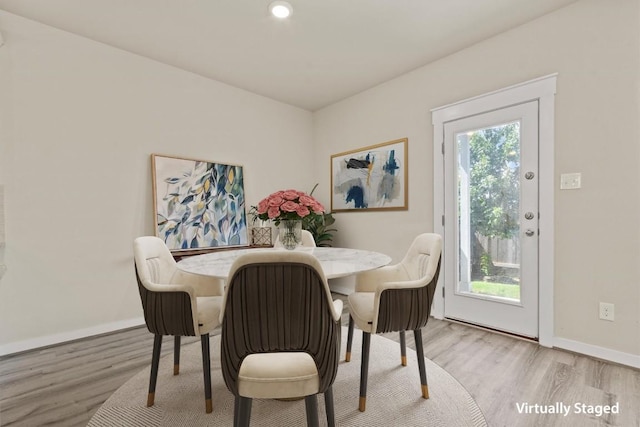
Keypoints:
(364, 369)
(150, 399)
(403, 359)
(421, 368)
(209, 406)
(176, 369)
(347, 357)
(363, 404)
(425, 391)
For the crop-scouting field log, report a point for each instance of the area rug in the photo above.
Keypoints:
(393, 398)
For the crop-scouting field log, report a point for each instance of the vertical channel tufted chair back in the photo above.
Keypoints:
(280, 332)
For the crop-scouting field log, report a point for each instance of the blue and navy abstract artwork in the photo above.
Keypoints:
(371, 178)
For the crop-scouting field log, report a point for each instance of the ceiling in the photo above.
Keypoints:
(326, 51)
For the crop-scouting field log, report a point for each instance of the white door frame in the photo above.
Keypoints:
(542, 89)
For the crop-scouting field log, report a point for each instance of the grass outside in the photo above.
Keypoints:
(496, 289)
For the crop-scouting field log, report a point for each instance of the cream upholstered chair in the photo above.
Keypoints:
(175, 303)
(306, 237)
(396, 298)
(280, 332)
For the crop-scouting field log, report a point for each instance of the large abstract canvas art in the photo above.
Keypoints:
(370, 178)
(198, 204)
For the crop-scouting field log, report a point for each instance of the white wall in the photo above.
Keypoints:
(595, 48)
(78, 122)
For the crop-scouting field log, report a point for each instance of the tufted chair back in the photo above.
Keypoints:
(421, 259)
(279, 302)
(154, 261)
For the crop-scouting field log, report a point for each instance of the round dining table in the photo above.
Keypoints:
(336, 262)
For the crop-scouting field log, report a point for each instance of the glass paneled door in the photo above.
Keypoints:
(491, 200)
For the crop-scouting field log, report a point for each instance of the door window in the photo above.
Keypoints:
(489, 203)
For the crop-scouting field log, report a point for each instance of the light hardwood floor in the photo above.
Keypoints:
(65, 384)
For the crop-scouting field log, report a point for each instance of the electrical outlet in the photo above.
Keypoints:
(606, 311)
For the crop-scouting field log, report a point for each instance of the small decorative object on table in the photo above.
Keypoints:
(261, 236)
(287, 209)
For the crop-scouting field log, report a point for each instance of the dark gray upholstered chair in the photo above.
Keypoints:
(280, 332)
(396, 298)
(175, 303)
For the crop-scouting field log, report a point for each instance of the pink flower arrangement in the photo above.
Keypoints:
(288, 204)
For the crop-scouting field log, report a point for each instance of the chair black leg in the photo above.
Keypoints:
(403, 349)
(236, 409)
(347, 357)
(420, 353)
(364, 370)
(176, 355)
(242, 412)
(328, 404)
(206, 368)
(311, 404)
(155, 361)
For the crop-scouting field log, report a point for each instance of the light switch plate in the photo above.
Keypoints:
(570, 181)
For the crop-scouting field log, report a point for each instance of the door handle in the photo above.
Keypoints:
(529, 232)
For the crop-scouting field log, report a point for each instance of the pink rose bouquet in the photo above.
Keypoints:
(288, 204)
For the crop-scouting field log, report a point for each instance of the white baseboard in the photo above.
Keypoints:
(30, 344)
(608, 354)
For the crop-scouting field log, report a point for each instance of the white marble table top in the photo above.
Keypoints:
(336, 262)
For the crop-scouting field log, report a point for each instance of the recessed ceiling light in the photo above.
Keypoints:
(280, 9)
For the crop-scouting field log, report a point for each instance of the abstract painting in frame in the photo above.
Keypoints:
(370, 178)
(198, 203)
